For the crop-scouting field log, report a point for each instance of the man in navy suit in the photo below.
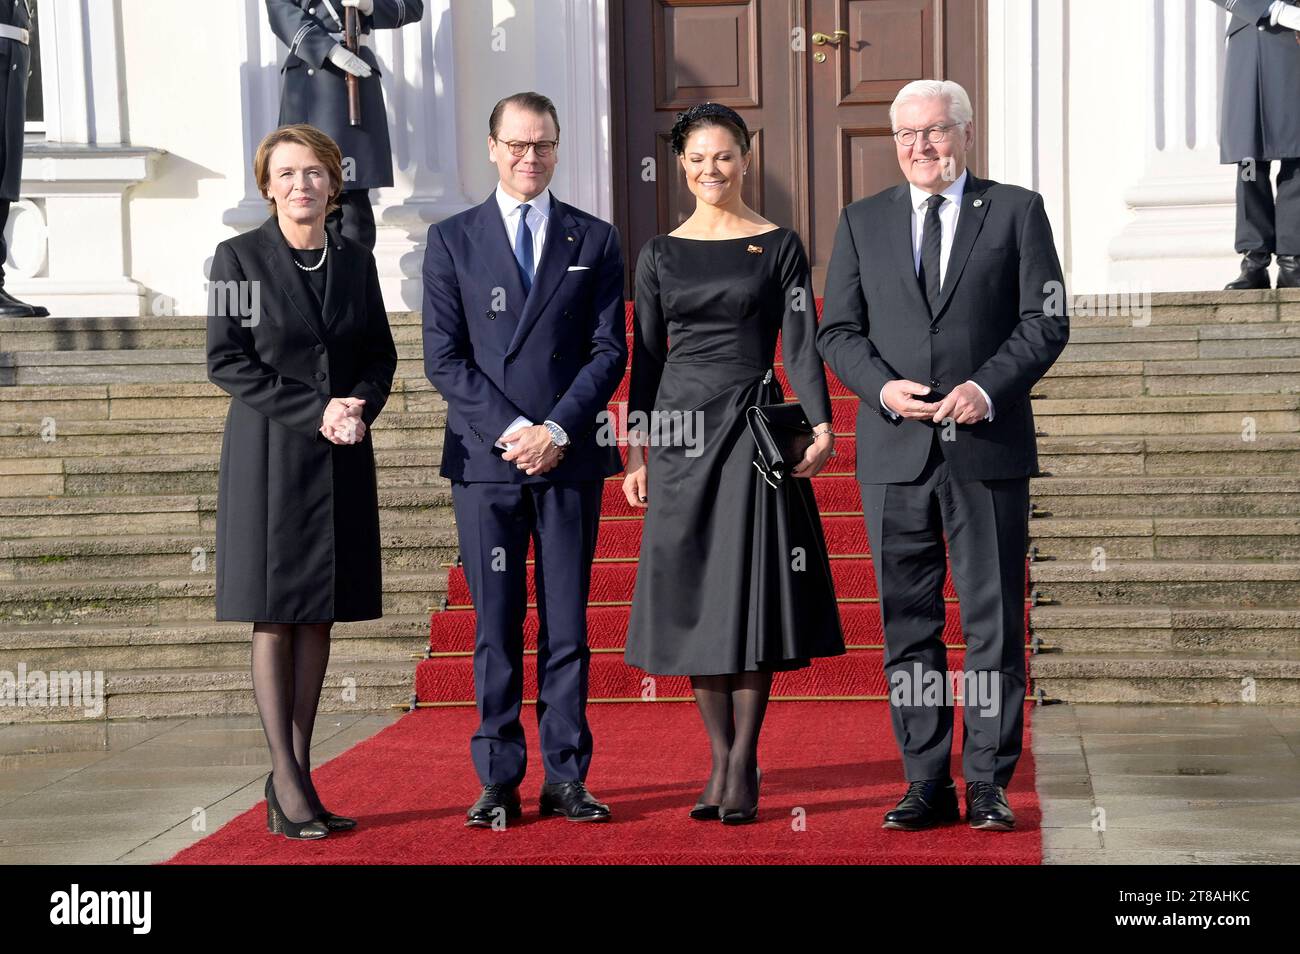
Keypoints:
(524, 336)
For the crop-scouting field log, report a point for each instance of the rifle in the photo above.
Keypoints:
(352, 42)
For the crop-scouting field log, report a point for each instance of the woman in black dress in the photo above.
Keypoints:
(298, 336)
(733, 582)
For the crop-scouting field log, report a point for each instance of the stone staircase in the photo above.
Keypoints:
(1165, 542)
(110, 437)
(1166, 536)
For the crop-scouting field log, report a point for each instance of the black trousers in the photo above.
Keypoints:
(986, 524)
(1265, 224)
(495, 522)
(355, 216)
(4, 246)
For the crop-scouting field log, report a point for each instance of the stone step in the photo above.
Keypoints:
(170, 401)
(1147, 582)
(1194, 540)
(1173, 342)
(156, 436)
(1164, 496)
(1271, 679)
(177, 473)
(130, 646)
(1117, 309)
(1232, 454)
(1141, 416)
(1205, 630)
(1112, 379)
(144, 365)
(351, 685)
(23, 517)
(60, 333)
(405, 550)
(144, 600)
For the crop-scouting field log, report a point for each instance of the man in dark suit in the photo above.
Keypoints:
(943, 306)
(524, 336)
(315, 91)
(1260, 123)
(15, 66)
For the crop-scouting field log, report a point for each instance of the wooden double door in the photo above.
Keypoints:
(812, 78)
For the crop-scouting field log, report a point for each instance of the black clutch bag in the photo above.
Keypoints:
(782, 435)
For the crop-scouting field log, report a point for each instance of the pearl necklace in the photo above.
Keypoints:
(311, 268)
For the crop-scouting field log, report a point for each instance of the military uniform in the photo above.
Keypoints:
(15, 66)
(1260, 124)
(314, 91)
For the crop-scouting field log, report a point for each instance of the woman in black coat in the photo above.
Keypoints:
(298, 335)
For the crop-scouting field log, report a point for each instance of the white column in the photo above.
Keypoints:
(572, 57)
(420, 92)
(259, 95)
(70, 238)
(1028, 145)
(1181, 233)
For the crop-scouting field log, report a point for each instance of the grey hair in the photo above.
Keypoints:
(959, 108)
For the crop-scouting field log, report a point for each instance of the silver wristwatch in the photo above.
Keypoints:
(558, 437)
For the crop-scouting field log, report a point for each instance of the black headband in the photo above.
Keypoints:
(701, 111)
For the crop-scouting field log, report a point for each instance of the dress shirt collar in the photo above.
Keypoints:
(508, 203)
(953, 192)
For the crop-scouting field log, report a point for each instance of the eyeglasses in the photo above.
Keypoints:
(907, 137)
(519, 147)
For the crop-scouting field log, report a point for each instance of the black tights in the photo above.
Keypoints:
(732, 707)
(289, 661)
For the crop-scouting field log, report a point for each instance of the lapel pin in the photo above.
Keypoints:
(755, 250)
(569, 237)
(977, 203)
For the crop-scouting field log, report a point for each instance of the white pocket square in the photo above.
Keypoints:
(579, 268)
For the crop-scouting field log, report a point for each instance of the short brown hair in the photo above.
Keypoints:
(326, 150)
(533, 102)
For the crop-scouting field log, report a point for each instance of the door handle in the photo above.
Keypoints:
(821, 39)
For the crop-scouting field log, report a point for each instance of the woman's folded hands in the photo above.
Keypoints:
(341, 423)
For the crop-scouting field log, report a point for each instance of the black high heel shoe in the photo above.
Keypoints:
(278, 824)
(736, 816)
(703, 812)
(336, 822)
(706, 812)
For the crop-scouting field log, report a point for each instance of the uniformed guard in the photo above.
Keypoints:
(315, 91)
(1261, 123)
(15, 67)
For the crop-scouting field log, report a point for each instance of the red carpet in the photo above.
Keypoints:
(831, 765)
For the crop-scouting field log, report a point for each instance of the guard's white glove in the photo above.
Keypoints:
(348, 61)
(366, 7)
(1283, 14)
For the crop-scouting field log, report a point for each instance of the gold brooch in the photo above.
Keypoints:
(755, 250)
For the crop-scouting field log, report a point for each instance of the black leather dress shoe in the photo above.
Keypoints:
(1288, 271)
(11, 307)
(497, 803)
(926, 803)
(987, 808)
(1254, 272)
(573, 801)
